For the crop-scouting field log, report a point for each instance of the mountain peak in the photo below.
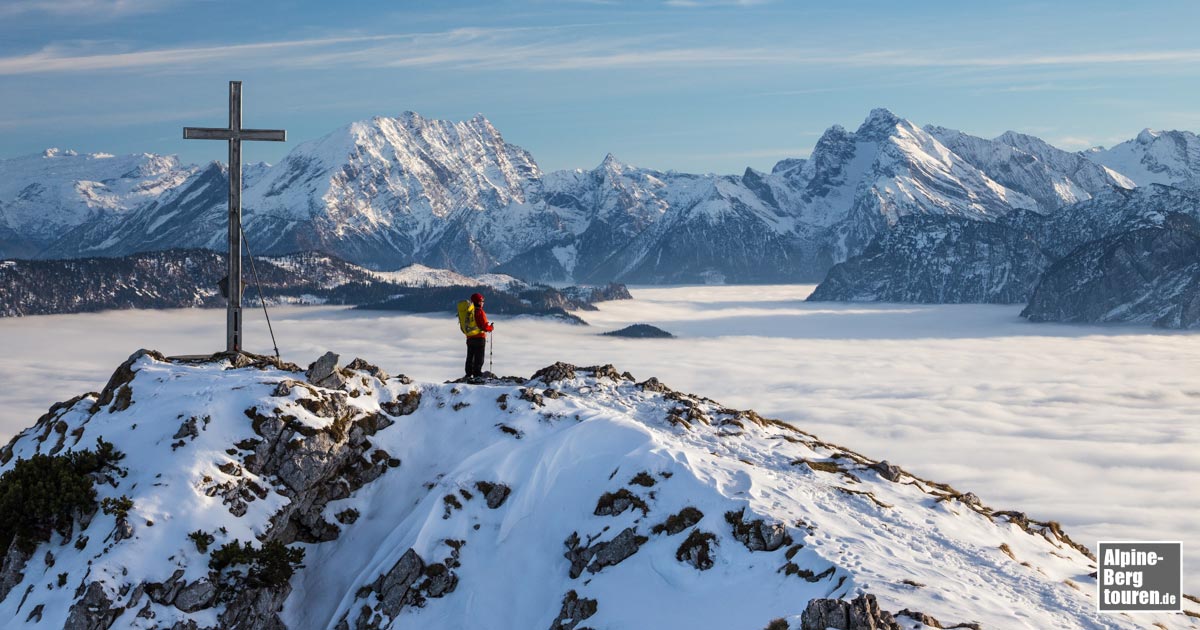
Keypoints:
(1147, 136)
(611, 162)
(512, 503)
(879, 120)
(57, 152)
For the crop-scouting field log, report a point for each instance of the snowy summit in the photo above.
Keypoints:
(253, 494)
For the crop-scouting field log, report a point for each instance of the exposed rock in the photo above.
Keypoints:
(575, 609)
(676, 523)
(187, 428)
(121, 377)
(196, 596)
(921, 618)
(12, 569)
(93, 611)
(123, 531)
(601, 554)
(494, 493)
(165, 593)
(888, 471)
(558, 372)
(397, 588)
(324, 372)
(404, 406)
(757, 535)
(616, 550)
(360, 365)
(860, 613)
(439, 580)
(615, 503)
(652, 384)
(255, 609)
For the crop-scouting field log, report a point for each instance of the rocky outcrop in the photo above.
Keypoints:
(601, 554)
(757, 535)
(1147, 276)
(575, 610)
(860, 613)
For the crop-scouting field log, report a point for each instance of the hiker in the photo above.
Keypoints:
(474, 324)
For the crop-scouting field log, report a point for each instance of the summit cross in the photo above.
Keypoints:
(234, 134)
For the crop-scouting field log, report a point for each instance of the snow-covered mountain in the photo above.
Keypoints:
(43, 196)
(255, 495)
(390, 192)
(1052, 177)
(1154, 157)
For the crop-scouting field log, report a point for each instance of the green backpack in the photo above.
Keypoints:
(466, 318)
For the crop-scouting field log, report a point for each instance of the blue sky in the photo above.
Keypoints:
(691, 85)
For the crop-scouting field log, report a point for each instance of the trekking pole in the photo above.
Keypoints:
(491, 351)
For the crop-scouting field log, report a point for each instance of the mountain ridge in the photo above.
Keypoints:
(391, 191)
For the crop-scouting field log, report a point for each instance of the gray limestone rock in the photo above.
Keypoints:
(860, 613)
(93, 611)
(575, 609)
(196, 596)
(324, 372)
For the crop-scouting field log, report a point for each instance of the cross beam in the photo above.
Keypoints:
(234, 134)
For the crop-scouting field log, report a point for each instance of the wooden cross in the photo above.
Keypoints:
(235, 135)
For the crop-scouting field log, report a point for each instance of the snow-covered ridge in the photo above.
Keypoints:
(416, 275)
(615, 503)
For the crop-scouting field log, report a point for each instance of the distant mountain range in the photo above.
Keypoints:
(390, 192)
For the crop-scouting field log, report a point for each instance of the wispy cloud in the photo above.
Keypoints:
(113, 119)
(559, 48)
(85, 8)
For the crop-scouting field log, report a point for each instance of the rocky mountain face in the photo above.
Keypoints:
(1149, 276)
(937, 260)
(344, 497)
(190, 278)
(951, 260)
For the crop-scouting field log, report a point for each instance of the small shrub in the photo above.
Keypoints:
(676, 523)
(119, 507)
(43, 494)
(642, 479)
(62, 579)
(202, 539)
(270, 566)
(777, 624)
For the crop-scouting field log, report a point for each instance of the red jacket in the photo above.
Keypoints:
(482, 322)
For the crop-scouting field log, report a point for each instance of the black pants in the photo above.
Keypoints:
(476, 348)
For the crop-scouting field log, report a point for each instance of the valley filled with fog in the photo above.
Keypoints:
(1091, 426)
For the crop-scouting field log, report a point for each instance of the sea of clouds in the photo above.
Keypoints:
(1091, 426)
